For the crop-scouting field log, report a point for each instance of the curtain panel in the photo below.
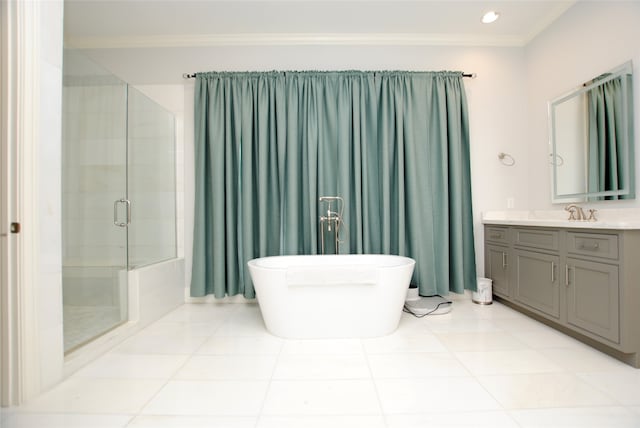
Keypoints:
(394, 145)
(607, 136)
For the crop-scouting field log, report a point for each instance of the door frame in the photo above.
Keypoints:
(8, 339)
(20, 74)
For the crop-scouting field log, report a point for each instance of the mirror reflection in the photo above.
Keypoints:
(592, 139)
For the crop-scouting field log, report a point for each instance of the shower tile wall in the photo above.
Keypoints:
(152, 181)
(173, 98)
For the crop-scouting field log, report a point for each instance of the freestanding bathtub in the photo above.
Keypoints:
(331, 296)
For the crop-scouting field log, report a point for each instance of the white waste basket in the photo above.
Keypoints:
(483, 296)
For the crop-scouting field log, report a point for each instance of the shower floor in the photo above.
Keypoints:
(84, 323)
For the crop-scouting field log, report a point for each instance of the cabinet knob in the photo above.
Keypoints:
(593, 247)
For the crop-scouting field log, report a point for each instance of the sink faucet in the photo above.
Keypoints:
(576, 212)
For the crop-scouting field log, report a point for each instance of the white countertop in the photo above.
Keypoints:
(628, 218)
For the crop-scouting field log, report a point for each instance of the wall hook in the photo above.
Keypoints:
(559, 161)
(506, 159)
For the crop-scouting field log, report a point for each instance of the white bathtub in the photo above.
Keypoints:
(331, 296)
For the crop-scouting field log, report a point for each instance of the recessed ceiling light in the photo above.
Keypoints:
(490, 17)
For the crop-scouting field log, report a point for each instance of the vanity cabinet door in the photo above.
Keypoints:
(593, 298)
(536, 281)
(496, 268)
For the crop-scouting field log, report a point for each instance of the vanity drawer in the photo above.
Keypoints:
(496, 234)
(593, 244)
(537, 238)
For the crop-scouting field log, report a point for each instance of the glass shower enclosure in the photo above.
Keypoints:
(118, 195)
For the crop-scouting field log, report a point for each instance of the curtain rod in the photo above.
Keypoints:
(193, 75)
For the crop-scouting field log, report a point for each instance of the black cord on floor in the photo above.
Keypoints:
(408, 310)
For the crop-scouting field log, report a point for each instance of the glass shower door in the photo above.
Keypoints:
(95, 204)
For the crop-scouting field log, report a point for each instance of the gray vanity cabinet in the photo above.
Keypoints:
(536, 260)
(497, 269)
(593, 298)
(585, 282)
(592, 283)
(497, 259)
(535, 281)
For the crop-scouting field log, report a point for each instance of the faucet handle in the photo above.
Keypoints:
(592, 215)
(572, 212)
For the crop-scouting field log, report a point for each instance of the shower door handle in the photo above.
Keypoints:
(115, 212)
(128, 203)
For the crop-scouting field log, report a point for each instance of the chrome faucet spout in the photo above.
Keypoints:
(575, 212)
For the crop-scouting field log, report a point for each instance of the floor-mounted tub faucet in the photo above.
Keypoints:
(333, 219)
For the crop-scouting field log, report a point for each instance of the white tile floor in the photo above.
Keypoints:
(214, 365)
(83, 323)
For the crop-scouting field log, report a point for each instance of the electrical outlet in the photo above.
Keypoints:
(510, 202)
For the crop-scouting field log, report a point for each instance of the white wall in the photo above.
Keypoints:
(589, 39)
(47, 267)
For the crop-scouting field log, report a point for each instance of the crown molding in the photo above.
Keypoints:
(293, 39)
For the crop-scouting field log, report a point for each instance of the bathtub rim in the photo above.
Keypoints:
(403, 261)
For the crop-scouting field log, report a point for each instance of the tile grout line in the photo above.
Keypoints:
(375, 384)
(172, 376)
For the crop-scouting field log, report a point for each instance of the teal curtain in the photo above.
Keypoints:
(607, 137)
(394, 145)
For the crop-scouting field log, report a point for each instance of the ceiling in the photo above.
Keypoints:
(175, 31)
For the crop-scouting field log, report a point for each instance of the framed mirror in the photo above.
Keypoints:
(591, 138)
